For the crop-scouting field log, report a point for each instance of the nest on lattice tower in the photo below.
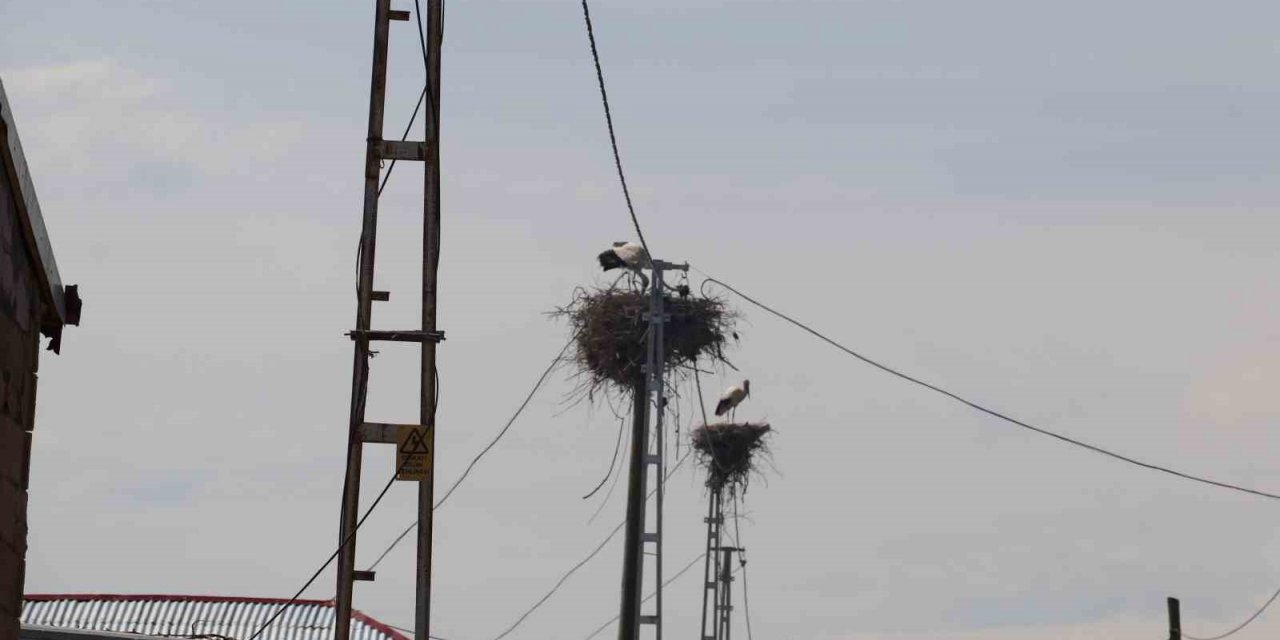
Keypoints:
(611, 329)
(730, 451)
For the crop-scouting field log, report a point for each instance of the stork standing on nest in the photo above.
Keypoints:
(626, 255)
(732, 397)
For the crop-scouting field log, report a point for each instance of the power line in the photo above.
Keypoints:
(608, 118)
(412, 631)
(324, 566)
(510, 421)
(426, 93)
(990, 412)
(742, 563)
(702, 404)
(426, 64)
(564, 578)
(651, 596)
(404, 136)
(617, 446)
(559, 583)
(1242, 624)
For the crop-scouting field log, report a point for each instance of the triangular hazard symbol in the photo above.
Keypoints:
(414, 445)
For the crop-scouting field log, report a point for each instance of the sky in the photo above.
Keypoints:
(1065, 211)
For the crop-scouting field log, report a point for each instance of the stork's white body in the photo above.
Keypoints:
(732, 397)
(632, 253)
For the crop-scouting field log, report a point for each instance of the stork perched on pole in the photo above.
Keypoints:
(732, 397)
(626, 255)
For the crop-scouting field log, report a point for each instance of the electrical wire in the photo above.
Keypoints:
(983, 409)
(742, 563)
(405, 136)
(412, 631)
(344, 543)
(426, 63)
(652, 595)
(426, 93)
(564, 578)
(1242, 624)
(613, 462)
(559, 583)
(608, 494)
(510, 421)
(608, 118)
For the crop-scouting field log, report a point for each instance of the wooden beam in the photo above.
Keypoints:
(380, 432)
(401, 150)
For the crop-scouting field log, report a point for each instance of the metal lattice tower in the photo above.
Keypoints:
(717, 572)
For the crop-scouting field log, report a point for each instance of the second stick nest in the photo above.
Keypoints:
(729, 452)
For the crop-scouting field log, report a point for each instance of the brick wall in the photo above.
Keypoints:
(19, 351)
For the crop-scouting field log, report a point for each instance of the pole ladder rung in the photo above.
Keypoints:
(648, 619)
(411, 335)
(408, 150)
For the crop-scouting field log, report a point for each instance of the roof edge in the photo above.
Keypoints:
(131, 597)
(37, 236)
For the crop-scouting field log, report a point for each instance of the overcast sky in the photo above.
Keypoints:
(1066, 210)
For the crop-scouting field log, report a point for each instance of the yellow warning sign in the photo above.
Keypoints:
(414, 447)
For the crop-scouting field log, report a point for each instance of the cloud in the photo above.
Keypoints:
(74, 114)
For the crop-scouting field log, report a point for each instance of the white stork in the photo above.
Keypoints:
(732, 397)
(624, 255)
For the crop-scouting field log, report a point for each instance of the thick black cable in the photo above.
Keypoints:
(613, 462)
(608, 118)
(564, 578)
(1242, 624)
(990, 412)
(344, 543)
(510, 421)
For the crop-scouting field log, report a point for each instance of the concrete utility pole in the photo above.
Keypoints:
(415, 442)
(648, 393)
(1175, 619)
(430, 266)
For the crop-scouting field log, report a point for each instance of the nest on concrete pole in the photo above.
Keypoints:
(611, 334)
(729, 451)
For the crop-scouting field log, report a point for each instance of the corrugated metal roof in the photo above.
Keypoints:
(169, 615)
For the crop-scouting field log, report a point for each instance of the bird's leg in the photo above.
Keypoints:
(615, 280)
(643, 279)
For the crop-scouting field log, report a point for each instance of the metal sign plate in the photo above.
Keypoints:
(415, 448)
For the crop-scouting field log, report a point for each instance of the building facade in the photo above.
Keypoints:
(33, 303)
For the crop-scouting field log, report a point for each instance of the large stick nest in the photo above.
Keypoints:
(611, 332)
(729, 452)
